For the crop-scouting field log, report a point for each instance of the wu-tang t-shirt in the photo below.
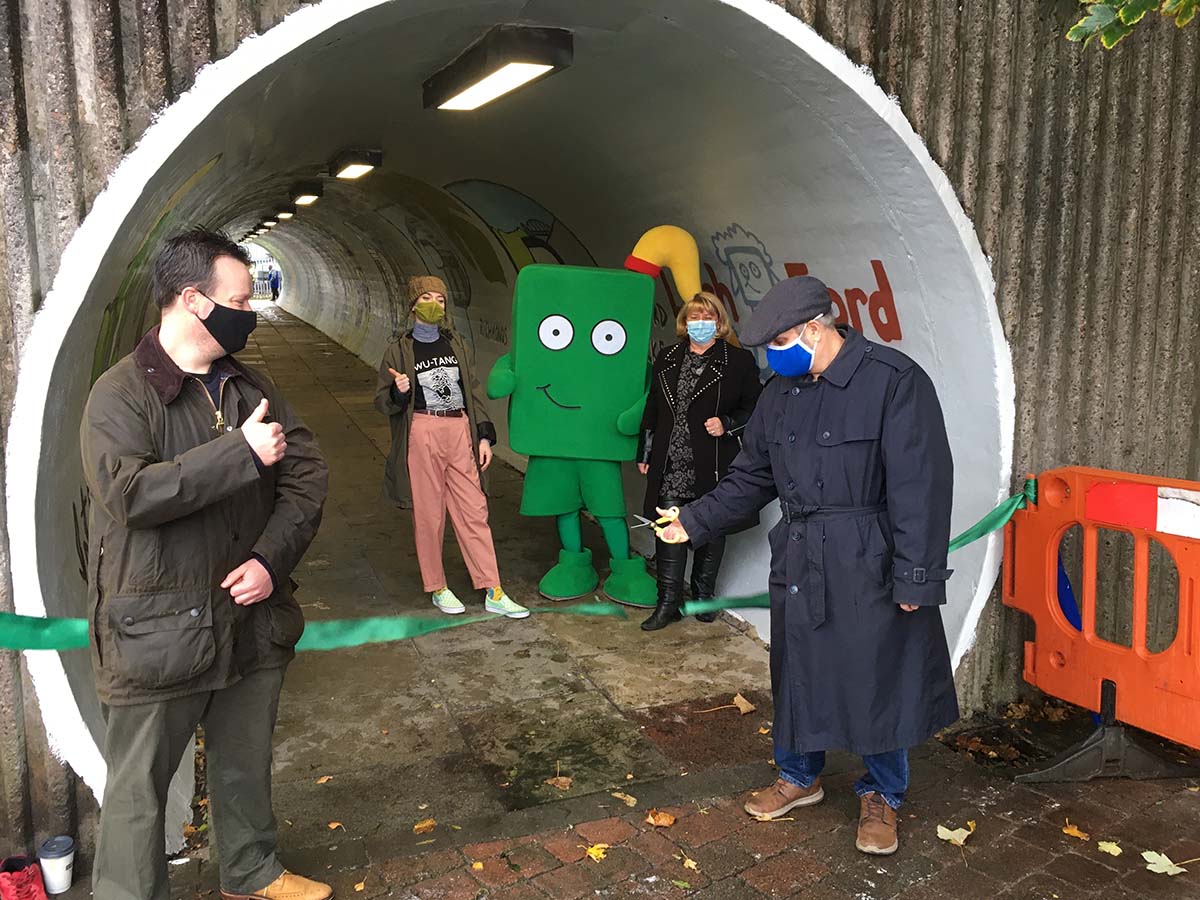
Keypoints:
(439, 384)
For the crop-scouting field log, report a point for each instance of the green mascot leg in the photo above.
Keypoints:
(574, 576)
(629, 582)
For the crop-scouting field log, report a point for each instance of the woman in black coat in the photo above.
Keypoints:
(702, 392)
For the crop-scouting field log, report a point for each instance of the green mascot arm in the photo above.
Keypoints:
(502, 380)
(630, 421)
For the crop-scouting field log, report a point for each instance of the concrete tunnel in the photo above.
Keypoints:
(729, 118)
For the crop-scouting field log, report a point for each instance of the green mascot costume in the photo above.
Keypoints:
(577, 378)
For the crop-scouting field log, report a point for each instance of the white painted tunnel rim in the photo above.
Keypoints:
(69, 737)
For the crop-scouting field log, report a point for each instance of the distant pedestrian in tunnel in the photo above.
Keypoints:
(206, 490)
(441, 447)
(849, 437)
(702, 391)
(275, 280)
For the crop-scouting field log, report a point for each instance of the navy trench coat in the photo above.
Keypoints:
(859, 461)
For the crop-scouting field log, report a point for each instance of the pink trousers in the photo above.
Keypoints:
(441, 469)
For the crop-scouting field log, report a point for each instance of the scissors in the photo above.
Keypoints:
(671, 515)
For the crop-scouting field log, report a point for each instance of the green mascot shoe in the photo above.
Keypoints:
(573, 577)
(630, 584)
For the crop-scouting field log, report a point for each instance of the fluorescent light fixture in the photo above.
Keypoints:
(306, 193)
(351, 164)
(499, 83)
(270, 223)
(285, 213)
(504, 59)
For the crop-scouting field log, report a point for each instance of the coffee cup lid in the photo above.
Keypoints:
(57, 847)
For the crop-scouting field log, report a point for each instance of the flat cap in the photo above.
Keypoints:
(793, 301)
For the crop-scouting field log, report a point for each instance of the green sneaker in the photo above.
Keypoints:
(499, 602)
(573, 577)
(630, 584)
(447, 602)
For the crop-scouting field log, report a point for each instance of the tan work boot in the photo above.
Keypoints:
(876, 826)
(286, 887)
(783, 797)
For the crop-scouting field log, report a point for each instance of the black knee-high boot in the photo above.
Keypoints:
(705, 565)
(670, 560)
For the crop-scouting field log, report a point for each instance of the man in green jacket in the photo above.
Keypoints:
(206, 491)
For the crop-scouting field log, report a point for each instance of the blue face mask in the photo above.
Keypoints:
(702, 330)
(791, 361)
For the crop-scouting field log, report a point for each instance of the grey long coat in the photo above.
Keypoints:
(860, 463)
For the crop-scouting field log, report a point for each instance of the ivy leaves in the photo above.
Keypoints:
(1112, 20)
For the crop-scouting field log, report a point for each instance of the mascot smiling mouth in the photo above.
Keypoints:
(545, 389)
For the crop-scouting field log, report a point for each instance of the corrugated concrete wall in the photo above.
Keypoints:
(1074, 165)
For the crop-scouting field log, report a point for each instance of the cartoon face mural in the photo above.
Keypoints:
(579, 346)
(749, 264)
(528, 231)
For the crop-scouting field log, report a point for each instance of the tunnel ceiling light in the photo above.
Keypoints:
(503, 60)
(306, 193)
(270, 223)
(285, 213)
(351, 164)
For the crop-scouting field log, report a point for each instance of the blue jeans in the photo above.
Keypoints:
(887, 773)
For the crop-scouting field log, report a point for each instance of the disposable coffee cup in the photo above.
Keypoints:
(57, 859)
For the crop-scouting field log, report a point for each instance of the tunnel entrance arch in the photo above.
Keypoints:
(778, 153)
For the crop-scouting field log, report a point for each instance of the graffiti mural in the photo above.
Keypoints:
(747, 262)
(528, 232)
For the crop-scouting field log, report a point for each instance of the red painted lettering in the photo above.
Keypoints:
(883, 302)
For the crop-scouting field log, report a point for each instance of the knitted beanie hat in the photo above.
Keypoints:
(419, 284)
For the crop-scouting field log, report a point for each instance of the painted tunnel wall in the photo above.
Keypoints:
(815, 170)
(1092, 283)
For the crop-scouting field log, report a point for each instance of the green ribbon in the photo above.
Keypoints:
(998, 517)
(37, 633)
(993, 521)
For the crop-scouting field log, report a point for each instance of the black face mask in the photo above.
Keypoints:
(229, 327)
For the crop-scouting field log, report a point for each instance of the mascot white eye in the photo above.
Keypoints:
(608, 337)
(556, 332)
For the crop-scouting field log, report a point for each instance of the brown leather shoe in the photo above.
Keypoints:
(783, 797)
(876, 826)
(286, 887)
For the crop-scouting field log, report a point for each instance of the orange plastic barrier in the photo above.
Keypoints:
(1158, 692)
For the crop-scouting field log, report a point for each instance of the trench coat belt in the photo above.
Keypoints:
(813, 518)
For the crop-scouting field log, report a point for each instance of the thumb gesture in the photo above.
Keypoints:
(260, 411)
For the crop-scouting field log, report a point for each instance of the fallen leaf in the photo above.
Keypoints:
(660, 819)
(361, 886)
(1018, 711)
(776, 819)
(690, 864)
(425, 826)
(1160, 864)
(1193, 789)
(682, 885)
(1073, 831)
(423, 843)
(625, 798)
(422, 806)
(629, 777)
(745, 707)
(477, 866)
(385, 732)
(333, 826)
(325, 779)
(957, 837)
(596, 852)
(562, 782)
(1112, 848)
(1056, 713)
